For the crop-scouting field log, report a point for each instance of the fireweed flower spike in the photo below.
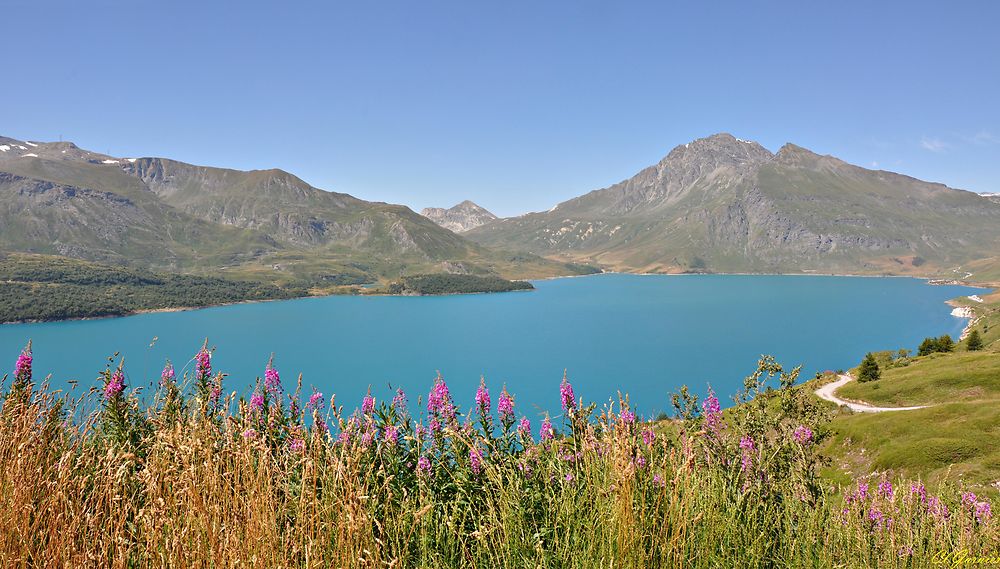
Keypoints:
(566, 394)
(546, 433)
(712, 413)
(315, 401)
(203, 362)
(423, 466)
(368, 404)
(524, 427)
(505, 405)
(256, 401)
(22, 369)
(115, 385)
(747, 447)
(802, 435)
(167, 375)
(399, 402)
(476, 460)
(885, 489)
(483, 402)
(272, 380)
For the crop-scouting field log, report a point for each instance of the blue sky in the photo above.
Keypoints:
(515, 105)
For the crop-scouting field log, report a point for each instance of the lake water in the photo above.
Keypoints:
(644, 335)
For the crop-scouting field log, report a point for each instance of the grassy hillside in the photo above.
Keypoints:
(955, 439)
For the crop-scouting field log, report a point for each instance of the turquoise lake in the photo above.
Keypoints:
(644, 335)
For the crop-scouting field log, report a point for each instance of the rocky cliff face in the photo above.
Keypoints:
(459, 218)
(729, 205)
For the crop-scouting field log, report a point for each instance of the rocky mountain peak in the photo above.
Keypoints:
(461, 217)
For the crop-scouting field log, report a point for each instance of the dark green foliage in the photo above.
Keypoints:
(455, 284)
(869, 370)
(974, 342)
(59, 289)
(944, 344)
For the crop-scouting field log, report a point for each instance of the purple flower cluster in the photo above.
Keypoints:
(937, 508)
(566, 395)
(272, 380)
(250, 433)
(203, 364)
(476, 460)
(424, 466)
(713, 413)
(439, 401)
(483, 403)
(546, 433)
(167, 375)
(368, 405)
(399, 402)
(256, 401)
(747, 447)
(885, 489)
(316, 401)
(505, 405)
(22, 369)
(920, 491)
(392, 435)
(627, 418)
(648, 436)
(115, 385)
(803, 435)
(980, 509)
(524, 427)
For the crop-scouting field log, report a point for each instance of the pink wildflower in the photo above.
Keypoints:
(566, 395)
(803, 435)
(115, 385)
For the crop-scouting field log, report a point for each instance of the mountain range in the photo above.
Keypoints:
(723, 204)
(163, 214)
(717, 204)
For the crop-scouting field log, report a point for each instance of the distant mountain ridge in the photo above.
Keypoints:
(459, 218)
(723, 204)
(165, 214)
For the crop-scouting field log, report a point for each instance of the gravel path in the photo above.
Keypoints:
(827, 392)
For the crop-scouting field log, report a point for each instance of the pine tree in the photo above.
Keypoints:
(927, 347)
(974, 342)
(869, 370)
(945, 344)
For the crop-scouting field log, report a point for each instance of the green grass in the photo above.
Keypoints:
(954, 442)
(938, 378)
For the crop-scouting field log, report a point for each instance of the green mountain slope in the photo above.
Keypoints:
(727, 205)
(263, 224)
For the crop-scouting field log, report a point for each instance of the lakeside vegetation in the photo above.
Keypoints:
(953, 439)
(271, 477)
(454, 284)
(56, 288)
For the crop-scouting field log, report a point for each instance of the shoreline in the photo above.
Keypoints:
(928, 280)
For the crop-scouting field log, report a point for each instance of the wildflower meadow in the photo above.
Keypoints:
(203, 472)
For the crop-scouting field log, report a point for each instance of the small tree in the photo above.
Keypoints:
(945, 344)
(869, 370)
(927, 347)
(974, 342)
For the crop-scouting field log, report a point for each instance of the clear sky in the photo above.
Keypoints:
(515, 105)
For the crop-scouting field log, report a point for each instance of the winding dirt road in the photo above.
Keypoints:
(827, 392)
